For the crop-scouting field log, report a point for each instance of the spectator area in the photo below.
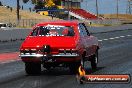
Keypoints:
(83, 13)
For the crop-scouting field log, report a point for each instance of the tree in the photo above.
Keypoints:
(25, 1)
(0, 3)
(34, 1)
(39, 5)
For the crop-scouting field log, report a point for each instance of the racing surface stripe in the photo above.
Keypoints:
(7, 57)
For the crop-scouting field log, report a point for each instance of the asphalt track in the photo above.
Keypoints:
(115, 57)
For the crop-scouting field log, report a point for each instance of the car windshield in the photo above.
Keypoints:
(53, 30)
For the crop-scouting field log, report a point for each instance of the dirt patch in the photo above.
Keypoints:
(7, 14)
(120, 16)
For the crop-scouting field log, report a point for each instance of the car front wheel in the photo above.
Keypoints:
(94, 61)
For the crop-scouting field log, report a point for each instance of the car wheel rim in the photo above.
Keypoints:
(82, 62)
(96, 60)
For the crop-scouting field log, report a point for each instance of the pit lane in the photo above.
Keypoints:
(115, 57)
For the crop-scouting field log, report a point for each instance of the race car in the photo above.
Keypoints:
(59, 43)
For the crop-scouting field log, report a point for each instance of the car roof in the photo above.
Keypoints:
(59, 22)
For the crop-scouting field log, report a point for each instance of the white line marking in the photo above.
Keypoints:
(114, 38)
(105, 39)
(129, 35)
(9, 61)
(111, 38)
(122, 36)
(117, 37)
(100, 40)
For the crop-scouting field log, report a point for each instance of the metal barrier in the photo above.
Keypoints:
(104, 21)
(31, 22)
(23, 22)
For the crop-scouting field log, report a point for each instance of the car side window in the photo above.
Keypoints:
(86, 29)
(35, 32)
(82, 30)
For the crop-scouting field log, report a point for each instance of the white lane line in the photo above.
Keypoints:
(117, 37)
(5, 62)
(111, 38)
(105, 39)
(122, 36)
(129, 35)
(114, 38)
(100, 40)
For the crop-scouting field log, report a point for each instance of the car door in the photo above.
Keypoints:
(82, 38)
(86, 39)
(90, 42)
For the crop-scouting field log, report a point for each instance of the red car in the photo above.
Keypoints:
(59, 43)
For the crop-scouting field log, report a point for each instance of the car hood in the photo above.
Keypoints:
(57, 42)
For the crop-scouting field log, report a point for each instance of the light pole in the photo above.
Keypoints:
(18, 11)
(86, 4)
(117, 8)
(68, 10)
(97, 8)
(129, 6)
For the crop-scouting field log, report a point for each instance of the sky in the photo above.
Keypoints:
(13, 3)
(105, 6)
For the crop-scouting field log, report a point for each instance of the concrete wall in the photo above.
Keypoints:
(13, 34)
(18, 34)
(110, 28)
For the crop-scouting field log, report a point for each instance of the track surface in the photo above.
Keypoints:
(115, 57)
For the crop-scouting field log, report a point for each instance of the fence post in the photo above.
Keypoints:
(26, 22)
(29, 23)
(23, 22)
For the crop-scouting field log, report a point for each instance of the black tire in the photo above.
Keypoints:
(74, 67)
(33, 68)
(47, 66)
(82, 61)
(94, 61)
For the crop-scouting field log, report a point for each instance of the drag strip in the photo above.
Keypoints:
(114, 38)
(7, 47)
(9, 57)
(115, 57)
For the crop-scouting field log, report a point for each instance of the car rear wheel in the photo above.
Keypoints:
(82, 61)
(94, 61)
(32, 68)
(74, 67)
(47, 66)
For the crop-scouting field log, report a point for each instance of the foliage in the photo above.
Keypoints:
(39, 5)
(25, 1)
(57, 2)
(0, 3)
(34, 1)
